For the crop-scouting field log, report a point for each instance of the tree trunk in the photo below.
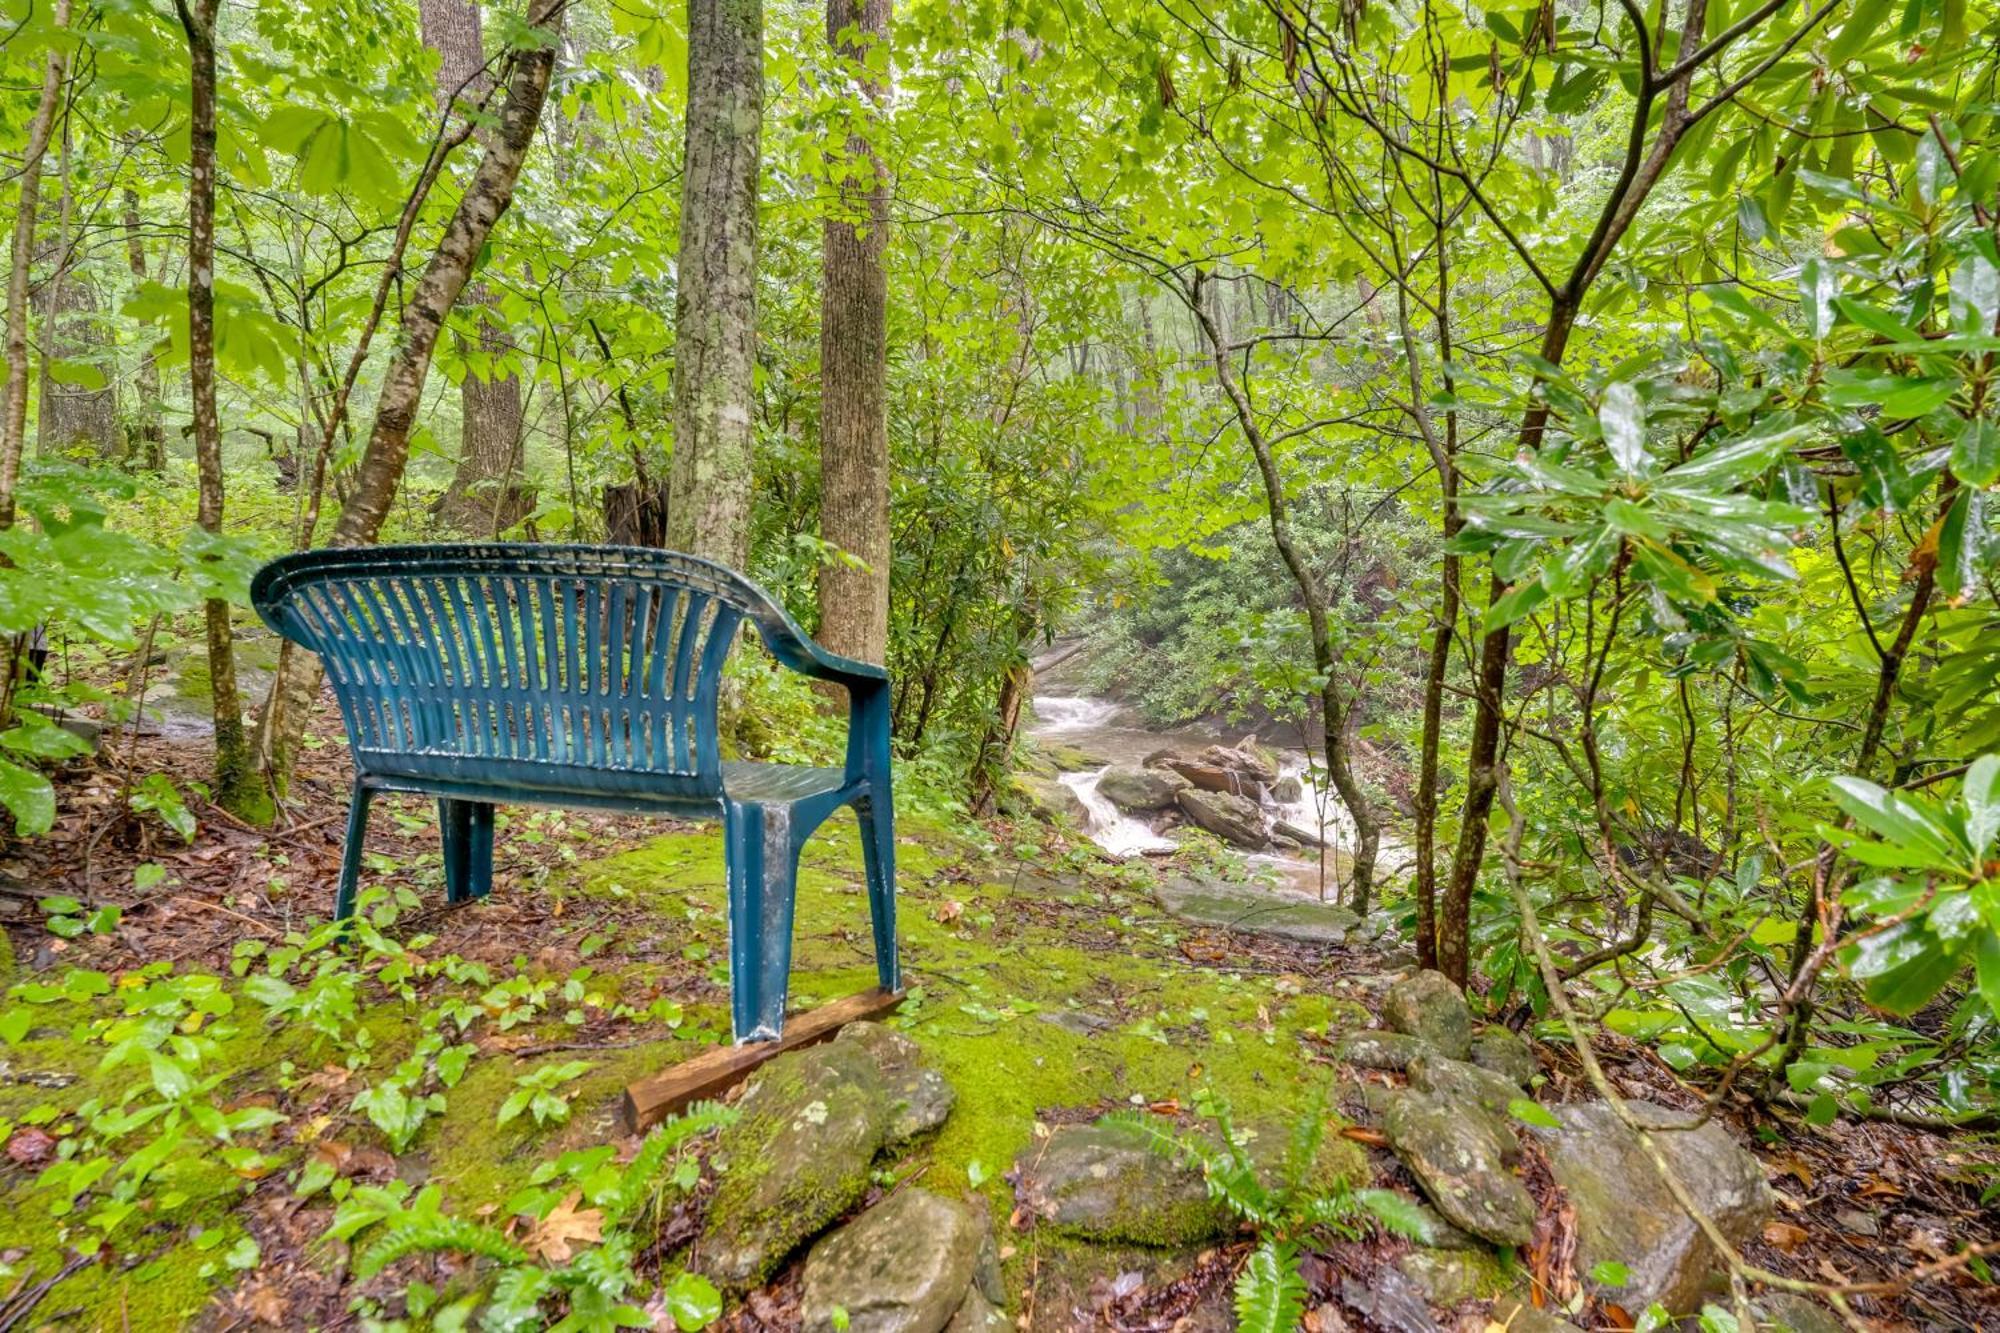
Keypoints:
(387, 453)
(232, 748)
(486, 197)
(14, 411)
(484, 497)
(715, 305)
(854, 363)
(147, 451)
(73, 417)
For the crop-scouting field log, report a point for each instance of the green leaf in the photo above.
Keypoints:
(1975, 455)
(1981, 794)
(1517, 602)
(1398, 1214)
(693, 1302)
(33, 734)
(1610, 1273)
(1532, 1113)
(29, 798)
(1819, 284)
(1270, 1294)
(1623, 419)
(1909, 822)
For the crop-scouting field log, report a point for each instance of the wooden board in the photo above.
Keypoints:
(713, 1072)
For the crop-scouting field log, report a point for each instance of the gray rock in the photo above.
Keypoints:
(1076, 1022)
(1254, 910)
(1392, 1302)
(796, 1158)
(1438, 1234)
(1298, 833)
(1245, 759)
(1448, 1277)
(904, 1266)
(1208, 777)
(1427, 1005)
(978, 1315)
(1626, 1215)
(1137, 790)
(1053, 801)
(1106, 1182)
(1507, 1055)
(1461, 1155)
(919, 1097)
(1374, 1049)
(1462, 1083)
(1787, 1312)
(1231, 818)
(1288, 790)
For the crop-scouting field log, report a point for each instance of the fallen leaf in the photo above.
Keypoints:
(264, 1304)
(1374, 1138)
(1787, 1236)
(566, 1226)
(30, 1146)
(950, 911)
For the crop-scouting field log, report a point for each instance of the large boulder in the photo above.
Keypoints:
(1461, 1155)
(1137, 790)
(1288, 790)
(807, 1131)
(1231, 818)
(904, 1266)
(1369, 1048)
(1427, 1005)
(1626, 1215)
(1506, 1054)
(1462, 1083)
(1107, 1182)
(1255, 910)
(1245, 759)
(1208, 777)
(1052, 800)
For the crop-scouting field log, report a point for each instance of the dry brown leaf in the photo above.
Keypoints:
(1787, 1236)
(264, 1304)
(950, 911)
(30, 1146)
(566, 1226)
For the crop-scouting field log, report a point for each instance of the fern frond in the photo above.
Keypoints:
(637, 1177)
(1398, 1215)
(437, 1233)
(1270, 1292)
(1335, 1211)
(1308, 1134)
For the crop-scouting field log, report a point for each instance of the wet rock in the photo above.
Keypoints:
(1438, 1234)
(1448, 1277)
(1372, 1049)
(1458, 1082)
(1390, 1300)
(1305, 837)
(1255, 910)
(1507, 1055)
(1244, 759)
(1165, 754)
(1427, 1005)
(1137, 790)
(1288, 790)
(797, 1157)
(1106, 1182)
(1461, 1155)
(919, 1098)
(904, 1266)
(1626, 1215)
(1787, 1312)
(1053, 801)
(1208, 777)
(1231, 818)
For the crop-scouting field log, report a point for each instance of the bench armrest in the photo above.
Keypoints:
(797, 650)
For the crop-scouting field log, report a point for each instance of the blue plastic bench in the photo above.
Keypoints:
(583, 676)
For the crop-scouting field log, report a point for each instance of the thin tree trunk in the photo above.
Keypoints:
(72, 414)
(715, 305)
(148, 451)
(854, 365)
(232, 747)
(486, 197)
(484, 498)
(14, 413)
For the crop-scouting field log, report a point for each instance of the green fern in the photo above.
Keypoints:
(1270, 1292)
(1398, 1215)
(1226, 1168)
(635, 1182)
(437, 1233)
(1302, 1151)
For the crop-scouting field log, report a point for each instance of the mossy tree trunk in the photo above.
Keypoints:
(715, 306)
(854, 357)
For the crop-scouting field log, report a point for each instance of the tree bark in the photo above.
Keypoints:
(232, 748)
(72, 415)
(854, 363)
(715, 306)
(14, 411)
(147, 451)
(486, 197)
(484, 497)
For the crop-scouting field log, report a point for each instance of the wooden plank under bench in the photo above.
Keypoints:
(713, 1072)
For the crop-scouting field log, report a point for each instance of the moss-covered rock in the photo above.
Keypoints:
(1460, 1155)
(1427, 1005)
(1463, 1083)
(1106, 1182)
(919, 1097)
(1374, 1049)
(1449, 1277)
(1255, 910)
(1504, 1053)
(796, 1158)
(904, 1266)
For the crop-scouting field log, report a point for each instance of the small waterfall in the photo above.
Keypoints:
(1060, 713)
(1111, 828)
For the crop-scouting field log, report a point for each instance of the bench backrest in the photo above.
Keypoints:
(600, 657)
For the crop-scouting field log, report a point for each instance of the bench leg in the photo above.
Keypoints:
(350, 856)
(763, 874)
(878, 856)
(467, 827)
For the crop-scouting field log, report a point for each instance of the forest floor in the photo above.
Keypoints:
(1044, 985)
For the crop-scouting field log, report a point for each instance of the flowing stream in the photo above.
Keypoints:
(1101, 729)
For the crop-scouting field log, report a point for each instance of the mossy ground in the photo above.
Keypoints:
(1042, 983)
